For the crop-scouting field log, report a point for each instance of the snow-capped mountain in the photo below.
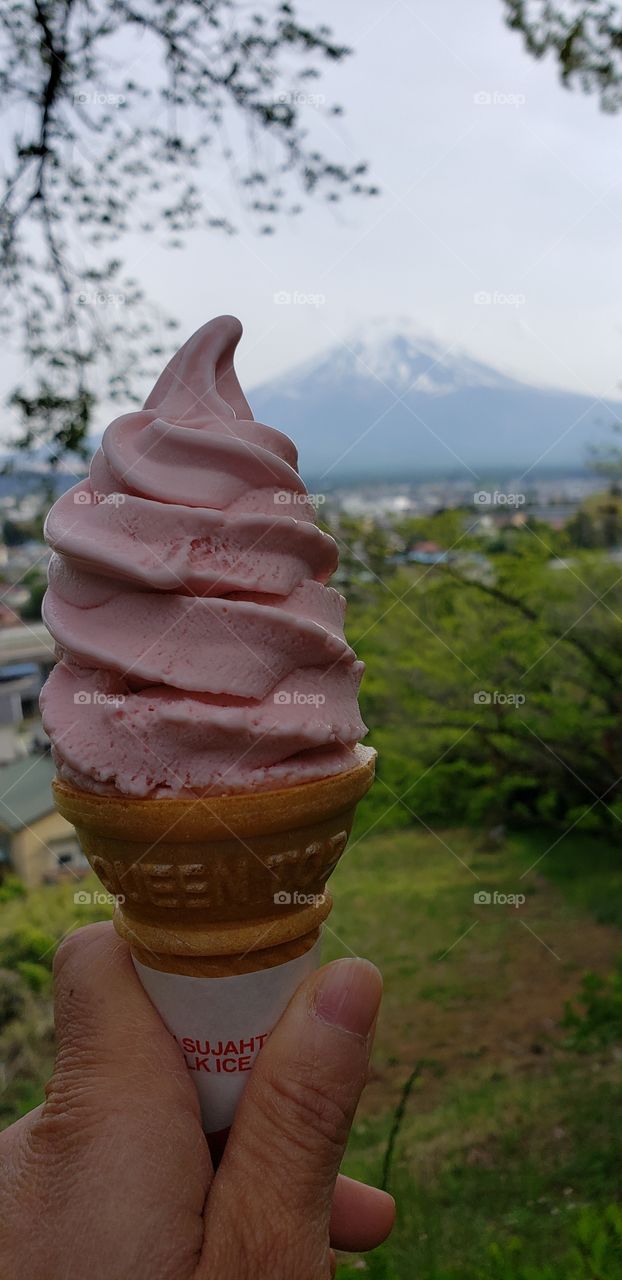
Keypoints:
(396, 353)
(391, 402)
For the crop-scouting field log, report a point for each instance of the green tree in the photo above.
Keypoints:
(606, 459)
(583, 36)
(32, 608)
(494, 682)
(582, 530)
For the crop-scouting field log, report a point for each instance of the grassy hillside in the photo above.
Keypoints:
(509, 1146)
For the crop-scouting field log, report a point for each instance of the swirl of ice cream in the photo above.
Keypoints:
(200, 649)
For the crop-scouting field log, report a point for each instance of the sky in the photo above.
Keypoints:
(497, 232)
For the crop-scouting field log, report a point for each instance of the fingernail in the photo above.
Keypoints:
(347, 995)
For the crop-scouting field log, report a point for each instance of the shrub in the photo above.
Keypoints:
(36, 976)
(599, 1023)
(11, 997)
(29, 944)
(11, 888)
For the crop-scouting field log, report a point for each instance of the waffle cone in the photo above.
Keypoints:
(198, 879)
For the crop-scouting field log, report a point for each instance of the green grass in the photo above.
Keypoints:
(511, 1160)
(508, 1138)
(586, 869)
(53, 909)
(31, 926)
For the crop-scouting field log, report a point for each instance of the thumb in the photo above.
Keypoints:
(277, 1177)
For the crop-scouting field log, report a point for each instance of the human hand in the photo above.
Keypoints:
(111, 1178)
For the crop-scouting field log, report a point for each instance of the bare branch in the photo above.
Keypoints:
(112, 145)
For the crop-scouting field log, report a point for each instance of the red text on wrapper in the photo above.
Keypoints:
(220, 1056)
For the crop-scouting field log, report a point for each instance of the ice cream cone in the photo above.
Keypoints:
(198, 640)
(222, 885)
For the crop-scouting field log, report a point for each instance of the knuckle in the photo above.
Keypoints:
(73, 949)
(78, 1003)
(68, 951)
(271, 1244)
(304, 1109)
(260, 1250)
(68, 1119)
(282, 1257)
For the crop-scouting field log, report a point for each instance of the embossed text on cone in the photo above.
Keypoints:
(219, 885)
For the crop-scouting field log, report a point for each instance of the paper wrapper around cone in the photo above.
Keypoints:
(216, 886)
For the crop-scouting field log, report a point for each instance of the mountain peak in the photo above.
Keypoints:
(396, 353)
(391, 400)
(400, 355)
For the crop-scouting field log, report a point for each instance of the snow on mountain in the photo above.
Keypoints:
(398, 354)
(391, 401)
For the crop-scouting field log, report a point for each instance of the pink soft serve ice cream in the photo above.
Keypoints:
(199, 647)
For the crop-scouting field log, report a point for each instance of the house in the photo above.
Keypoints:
(30, 642)
(427, 553)
(20, 686)
(8, 616)
(36, 843)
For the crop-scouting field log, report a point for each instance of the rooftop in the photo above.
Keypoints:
(25, 791)
(25, 643)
